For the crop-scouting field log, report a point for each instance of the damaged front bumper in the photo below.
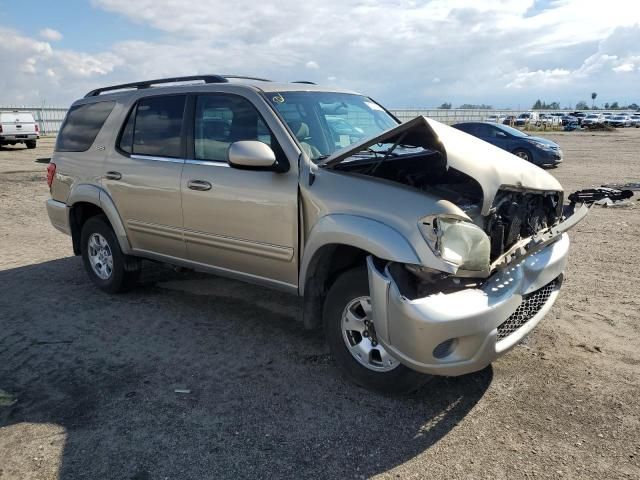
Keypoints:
(464, 331)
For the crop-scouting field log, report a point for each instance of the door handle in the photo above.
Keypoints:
(113, 175)
(200, 185)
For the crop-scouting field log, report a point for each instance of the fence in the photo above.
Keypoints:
(50, 118)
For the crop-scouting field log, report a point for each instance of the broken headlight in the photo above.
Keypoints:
(457, 241)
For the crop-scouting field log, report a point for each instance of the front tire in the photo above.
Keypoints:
(523, 154)
(350, 334)
(109, 269)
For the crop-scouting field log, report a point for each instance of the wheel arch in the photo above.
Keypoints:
(87, 201)
(338, 243)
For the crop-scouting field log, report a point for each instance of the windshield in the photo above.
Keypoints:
(512, 131)
(325, 122)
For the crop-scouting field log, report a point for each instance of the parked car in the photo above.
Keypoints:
(509, 120)
(635, 120)
(537, 150)
(495, 118)
(18, 127)
(579, 115)
(568, 119)
(527, 118)
(620, 121)
(593, 119)
(398, 243)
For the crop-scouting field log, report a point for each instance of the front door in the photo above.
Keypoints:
(243, 221)
(142, 175)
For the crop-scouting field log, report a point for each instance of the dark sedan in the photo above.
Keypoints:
(537, 150)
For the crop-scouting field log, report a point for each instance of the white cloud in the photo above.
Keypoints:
(625, 67)
(51, 34)
(404, 53)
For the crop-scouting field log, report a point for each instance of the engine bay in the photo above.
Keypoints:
(514, 215)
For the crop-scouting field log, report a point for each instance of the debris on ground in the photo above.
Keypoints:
(182, 390)
(634, 186)
(605, 196)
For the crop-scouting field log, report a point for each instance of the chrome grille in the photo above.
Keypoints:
(531, 304)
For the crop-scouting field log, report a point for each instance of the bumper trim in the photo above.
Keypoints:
(59, 215)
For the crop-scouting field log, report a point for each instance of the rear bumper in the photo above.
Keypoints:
(59, 215)
(19, 137)
(471, 321)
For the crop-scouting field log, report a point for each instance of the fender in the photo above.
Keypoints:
(370, 235)
(97, 196)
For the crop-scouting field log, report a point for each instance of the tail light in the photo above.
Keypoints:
(51, 172)
(37, 128)
(0, 128)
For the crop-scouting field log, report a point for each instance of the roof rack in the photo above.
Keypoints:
(242, 77)
(149, 83)
(307, 82)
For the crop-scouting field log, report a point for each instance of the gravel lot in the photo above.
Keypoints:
(88, 380)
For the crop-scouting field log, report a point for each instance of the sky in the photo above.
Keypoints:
(403, 53)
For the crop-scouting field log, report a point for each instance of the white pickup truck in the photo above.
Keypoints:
(18, 127)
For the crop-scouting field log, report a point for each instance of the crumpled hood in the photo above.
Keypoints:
(492, 167)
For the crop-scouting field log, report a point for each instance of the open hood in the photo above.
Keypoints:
(492, 167)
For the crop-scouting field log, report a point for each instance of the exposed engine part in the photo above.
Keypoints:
(518, 215)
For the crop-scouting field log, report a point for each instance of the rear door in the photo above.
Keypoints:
(142, 174)
(243, 221)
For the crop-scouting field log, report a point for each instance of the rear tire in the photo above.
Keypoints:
(109, 269)
(30, 144)
(384, 374)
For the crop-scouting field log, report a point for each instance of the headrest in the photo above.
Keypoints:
(300, 130)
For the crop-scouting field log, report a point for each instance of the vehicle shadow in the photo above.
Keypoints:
(220, 382)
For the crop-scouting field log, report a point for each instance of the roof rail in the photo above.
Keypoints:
(307, 82)
(149, 83)
(242, 77)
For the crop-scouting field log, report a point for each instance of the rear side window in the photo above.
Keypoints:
(154, 127)
(81, 126)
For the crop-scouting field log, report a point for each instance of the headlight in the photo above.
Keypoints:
(457, 241)
(543, 146)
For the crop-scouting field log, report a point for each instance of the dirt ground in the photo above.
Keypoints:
(88, 380)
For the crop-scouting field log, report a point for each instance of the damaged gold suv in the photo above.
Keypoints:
(419, 248)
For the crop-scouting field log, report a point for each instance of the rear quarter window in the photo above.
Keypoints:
(81, 126)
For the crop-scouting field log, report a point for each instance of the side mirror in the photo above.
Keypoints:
(250, 154)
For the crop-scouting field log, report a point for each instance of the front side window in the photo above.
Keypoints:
(325, 122)
(81, 126)
(154, 127)
(223, 119)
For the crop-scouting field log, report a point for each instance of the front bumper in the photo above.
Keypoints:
(543, 157)
(469, 319)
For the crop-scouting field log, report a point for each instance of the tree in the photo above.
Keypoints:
(593, 99)
(633, 106)
(473, 106)
(582, 105)
(445, 106)
(614, 106)
(606, 106)
(537, 105)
